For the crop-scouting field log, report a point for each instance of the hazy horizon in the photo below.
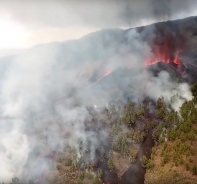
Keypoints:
(26, 24)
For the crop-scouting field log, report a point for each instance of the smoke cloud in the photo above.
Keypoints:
(99, 14)
(45, 91)
(163, 86)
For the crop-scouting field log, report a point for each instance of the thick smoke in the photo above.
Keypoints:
(99, 14)
(45, 92)
(163, 86)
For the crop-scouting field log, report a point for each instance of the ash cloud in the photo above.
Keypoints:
(99, 14)
(45, 92)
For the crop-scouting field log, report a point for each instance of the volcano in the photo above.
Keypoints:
(103, 60)
(172, 43)
(172, 46)
(54, 83)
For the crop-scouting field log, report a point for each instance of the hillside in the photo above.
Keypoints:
(116, 106)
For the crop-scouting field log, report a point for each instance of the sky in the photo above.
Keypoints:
(27, 23)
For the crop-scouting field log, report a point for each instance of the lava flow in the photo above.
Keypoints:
(107, 72)
(174, 62)
(163, 57)
(166, 47)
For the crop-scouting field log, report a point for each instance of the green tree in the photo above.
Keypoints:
(161, 109)
(110, 164)
(100, 174)
(121, 144)
(194, 89)
(144, 161)
(194, 170)
(97, 181)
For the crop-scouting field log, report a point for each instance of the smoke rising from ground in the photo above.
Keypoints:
(45, 92)
(163, 86)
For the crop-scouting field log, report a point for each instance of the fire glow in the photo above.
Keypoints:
(166, 51)
(107, 72)
(163, 57)
(163, 53)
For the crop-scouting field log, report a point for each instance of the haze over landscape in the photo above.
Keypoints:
(98, 92)
(24, 24)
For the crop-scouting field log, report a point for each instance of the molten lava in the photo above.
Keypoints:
(165, 49)
(107, 72)
(161, 54)
(176, 59)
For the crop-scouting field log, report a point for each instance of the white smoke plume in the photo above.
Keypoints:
(163, 86)
(45, 91)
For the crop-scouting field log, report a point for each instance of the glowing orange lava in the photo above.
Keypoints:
(163, 57)
(176, 59)
(107, 72)
(166, 51)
